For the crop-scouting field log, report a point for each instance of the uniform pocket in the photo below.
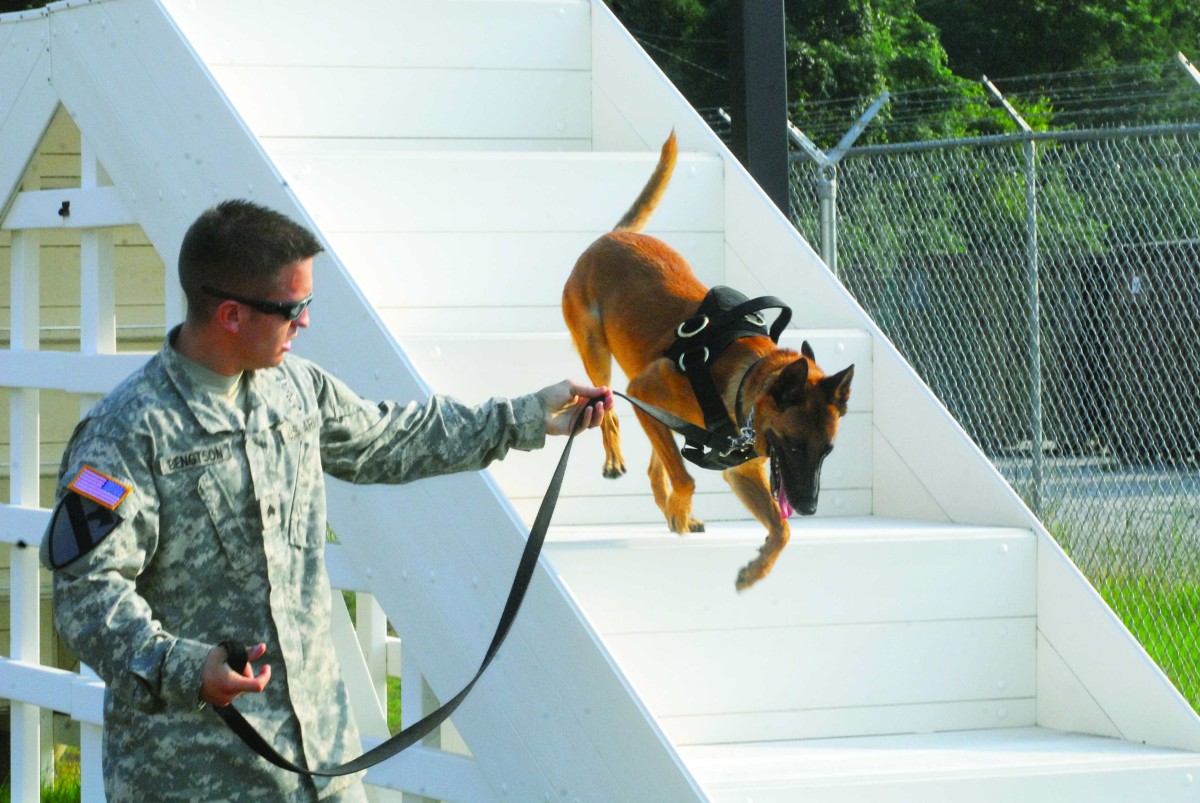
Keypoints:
(302, 462)
(239, 538)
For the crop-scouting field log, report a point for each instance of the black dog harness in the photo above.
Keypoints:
(725, 315)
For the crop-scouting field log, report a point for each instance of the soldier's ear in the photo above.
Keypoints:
(229, 316)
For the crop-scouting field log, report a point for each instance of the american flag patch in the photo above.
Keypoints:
(100, 488)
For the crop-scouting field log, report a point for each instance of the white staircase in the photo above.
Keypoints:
(920, 639)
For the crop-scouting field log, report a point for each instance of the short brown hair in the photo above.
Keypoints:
(239, 246)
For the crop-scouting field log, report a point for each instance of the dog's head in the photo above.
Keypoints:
(796, 418)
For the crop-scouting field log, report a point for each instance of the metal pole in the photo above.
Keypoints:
(1037, 452)
(827, 176)
(827, 199)
(758, 84)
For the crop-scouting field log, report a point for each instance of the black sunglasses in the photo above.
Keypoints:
(289, 310)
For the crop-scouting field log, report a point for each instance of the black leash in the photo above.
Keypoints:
(419, 730)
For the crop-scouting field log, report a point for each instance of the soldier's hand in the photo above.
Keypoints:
(220, 685)
(564, 400)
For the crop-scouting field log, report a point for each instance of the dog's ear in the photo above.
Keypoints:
(789, 387)
(807, 351)
(837, 388)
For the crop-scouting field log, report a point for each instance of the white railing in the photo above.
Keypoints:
(369, 656)
(36, 691)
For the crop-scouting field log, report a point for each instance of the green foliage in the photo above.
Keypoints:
(930, 54)
(66, 786)
(1018, 37)
(393, 705)
(840, 48)
(21, 5)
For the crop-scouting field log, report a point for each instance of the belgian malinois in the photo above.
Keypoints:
(626, 298)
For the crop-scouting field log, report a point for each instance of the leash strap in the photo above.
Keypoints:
(419, 730)
(712, 449)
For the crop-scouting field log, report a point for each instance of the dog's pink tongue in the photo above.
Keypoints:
(785, 507)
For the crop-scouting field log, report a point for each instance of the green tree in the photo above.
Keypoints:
(835, 49)
(1020, 37)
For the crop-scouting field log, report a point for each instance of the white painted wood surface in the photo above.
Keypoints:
(89, 208)
(864, 626)
(399, 103)
(474, 34)
(464, 191)
(27, 100)
(474, 367)
(940, 474)
(1031, 765)
(407, 204)
(482, 73)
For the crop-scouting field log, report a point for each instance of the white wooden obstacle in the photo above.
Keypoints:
(922, 638)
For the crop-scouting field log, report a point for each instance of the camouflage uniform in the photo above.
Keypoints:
(222, 537)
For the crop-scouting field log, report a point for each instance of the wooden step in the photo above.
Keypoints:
(1030, 765)
(464, 74)
(409, 226)
(865, 626)
(474, 367)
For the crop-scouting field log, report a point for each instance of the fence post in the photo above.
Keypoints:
(827, 176)
(1037, 450)
(26, 765)
(827, 200)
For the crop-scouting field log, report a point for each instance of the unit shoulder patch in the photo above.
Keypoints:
(84, 516)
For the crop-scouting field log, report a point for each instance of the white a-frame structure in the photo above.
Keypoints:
(922, 638)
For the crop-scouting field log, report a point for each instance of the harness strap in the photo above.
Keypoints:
(723, 317)
(419, 730)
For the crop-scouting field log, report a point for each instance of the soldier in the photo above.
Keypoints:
(191, 510)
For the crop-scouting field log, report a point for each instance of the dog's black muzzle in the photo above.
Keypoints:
(796, 468)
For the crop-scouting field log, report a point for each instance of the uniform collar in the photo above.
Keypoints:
(271, 396)
(213, 414)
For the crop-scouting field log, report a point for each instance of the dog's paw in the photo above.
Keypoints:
(685, 524)
(613, 470)
(747, 576)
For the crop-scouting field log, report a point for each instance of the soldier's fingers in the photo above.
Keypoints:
(253, 654)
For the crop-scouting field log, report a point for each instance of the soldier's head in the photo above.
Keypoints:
(247, 274)
(237, 250)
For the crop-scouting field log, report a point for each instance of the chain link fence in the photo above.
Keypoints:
(1047, 287)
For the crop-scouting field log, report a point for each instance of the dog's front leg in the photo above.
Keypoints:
(666, 464)
(614, 461)
(750, 484)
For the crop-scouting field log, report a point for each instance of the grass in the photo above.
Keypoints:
(1165, 618)
(65, 788)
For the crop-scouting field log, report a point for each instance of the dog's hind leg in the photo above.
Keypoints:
(750, 484)
(597, 362)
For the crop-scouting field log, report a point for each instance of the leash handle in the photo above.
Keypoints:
(419, 730)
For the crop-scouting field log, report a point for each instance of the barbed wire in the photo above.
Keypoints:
(1124, 95)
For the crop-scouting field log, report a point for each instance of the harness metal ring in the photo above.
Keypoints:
(756, 318)
(700, 328)
(703, 359)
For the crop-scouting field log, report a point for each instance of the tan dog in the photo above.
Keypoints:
(626, 297)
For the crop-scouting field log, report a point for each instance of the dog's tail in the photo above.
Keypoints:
(635, 219)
